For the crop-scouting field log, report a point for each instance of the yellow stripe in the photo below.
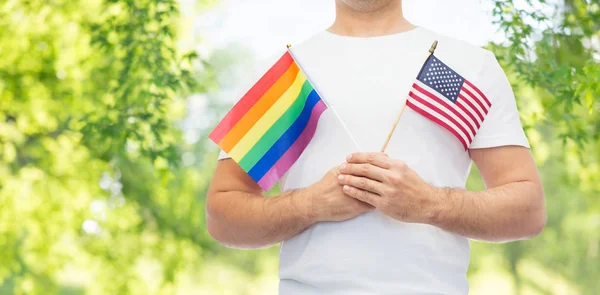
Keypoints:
(268, 119)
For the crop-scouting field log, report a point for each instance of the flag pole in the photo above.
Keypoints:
(387, 140)
(323, 99)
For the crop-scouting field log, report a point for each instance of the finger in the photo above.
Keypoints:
(365, 170)
(361, 183)
(362, 195)
(377, 159)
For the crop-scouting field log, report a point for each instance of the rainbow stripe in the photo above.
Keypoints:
(269, 128)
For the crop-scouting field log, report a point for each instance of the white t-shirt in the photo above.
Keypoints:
(366, 81)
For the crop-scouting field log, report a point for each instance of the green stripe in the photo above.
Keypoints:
(276, 131)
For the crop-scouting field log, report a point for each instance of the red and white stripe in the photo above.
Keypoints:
(462, 118)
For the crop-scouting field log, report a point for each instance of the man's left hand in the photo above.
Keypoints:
(390, 186)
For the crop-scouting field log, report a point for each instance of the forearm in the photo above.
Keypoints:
(509, 212)
(245, 220)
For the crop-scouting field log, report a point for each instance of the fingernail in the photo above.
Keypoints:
(343, 166)
(349, 157)
(346, 188)
(340, 178)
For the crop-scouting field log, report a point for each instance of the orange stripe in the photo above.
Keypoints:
(259, 108)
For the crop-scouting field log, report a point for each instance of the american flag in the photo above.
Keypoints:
(445, 97)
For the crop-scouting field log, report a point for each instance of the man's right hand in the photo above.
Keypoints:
(238, 215)
(329, 203)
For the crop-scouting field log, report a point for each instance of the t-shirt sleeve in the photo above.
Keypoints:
(502, 125)
(250, 76)
(223, 155)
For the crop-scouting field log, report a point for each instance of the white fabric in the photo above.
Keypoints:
(366, 80)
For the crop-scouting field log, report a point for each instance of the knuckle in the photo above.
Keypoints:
(388, 191)
(402, 165)
(364, 169)
(363, 182)
(370, 158)
(356, 193)
(394, 178)
(392, 194)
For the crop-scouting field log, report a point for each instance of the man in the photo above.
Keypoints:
(366, 222)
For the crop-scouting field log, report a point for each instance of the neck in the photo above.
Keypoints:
(378, 21)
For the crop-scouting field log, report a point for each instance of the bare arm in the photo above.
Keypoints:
(511, 208)
(239, 216)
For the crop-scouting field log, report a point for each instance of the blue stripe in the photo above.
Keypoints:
(286, 140)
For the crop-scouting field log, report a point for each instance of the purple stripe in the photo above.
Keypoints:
(293, 153)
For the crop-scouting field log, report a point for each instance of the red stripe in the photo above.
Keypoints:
(471, 95)
(251, 97)
(471, 106)
(446, 105)
(444, 114)
(436, 120)
(480, 93)
(462, 107)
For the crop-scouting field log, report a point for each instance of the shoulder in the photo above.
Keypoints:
(476, 64)
(468, 59)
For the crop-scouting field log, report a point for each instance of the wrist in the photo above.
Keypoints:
(441, 206)
(303, 201)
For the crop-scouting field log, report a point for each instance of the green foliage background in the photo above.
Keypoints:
(100, 194)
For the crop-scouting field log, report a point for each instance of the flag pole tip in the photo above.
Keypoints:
(288, 45)
(433, 47)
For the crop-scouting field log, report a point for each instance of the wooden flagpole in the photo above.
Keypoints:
(387, 140)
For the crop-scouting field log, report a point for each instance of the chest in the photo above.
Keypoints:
(366, 92)
(365, 95)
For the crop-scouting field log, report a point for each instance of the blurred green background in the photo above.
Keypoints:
(100, 193)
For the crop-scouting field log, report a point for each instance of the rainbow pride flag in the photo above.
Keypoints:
(271, 125)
